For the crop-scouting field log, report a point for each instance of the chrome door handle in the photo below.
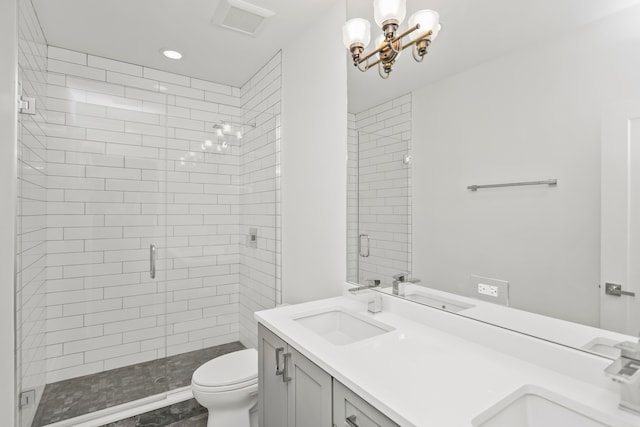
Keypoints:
(279, 351)
(285, 368)
(365, 255)
(351, 421)
(616, 290)
(152, 261)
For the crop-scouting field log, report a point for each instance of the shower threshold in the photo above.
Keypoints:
(127, 410)
(105, 397)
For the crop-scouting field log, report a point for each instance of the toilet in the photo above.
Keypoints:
(228, 387)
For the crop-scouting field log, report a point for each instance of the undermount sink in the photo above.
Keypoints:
(532, 406)
(341, 327)
(436, 301)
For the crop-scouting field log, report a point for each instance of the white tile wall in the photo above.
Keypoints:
(352, 199)
(379, 197)
(259, 199)
(127, 170)
(31, 221)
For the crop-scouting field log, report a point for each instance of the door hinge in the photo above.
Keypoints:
(27, 399)
(27, 105)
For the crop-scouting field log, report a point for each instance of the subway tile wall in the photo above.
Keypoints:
(379, 191)
(31, 238)
(128, 168)
(259, 200)
(352, 199)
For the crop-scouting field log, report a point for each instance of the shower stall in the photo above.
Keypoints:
(148, 227)
(379, 192)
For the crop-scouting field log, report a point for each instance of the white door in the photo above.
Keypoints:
(620, 244)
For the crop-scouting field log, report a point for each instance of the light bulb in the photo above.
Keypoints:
(385, 10)
(226, 127)
(208, 143)
(356, 30)
(428, 20)
(219, 131)
(239, 135)
(172, 54)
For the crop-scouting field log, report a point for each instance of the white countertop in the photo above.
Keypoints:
(420, 375)
(556, 330)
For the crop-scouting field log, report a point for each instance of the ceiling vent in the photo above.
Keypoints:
(238, 15)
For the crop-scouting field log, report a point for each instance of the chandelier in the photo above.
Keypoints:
(424, 26)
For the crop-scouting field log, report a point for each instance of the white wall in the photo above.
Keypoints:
(534, 114)
(8, 124)
(314, 151)
(259, 272)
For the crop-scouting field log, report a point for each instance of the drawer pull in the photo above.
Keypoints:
(285, 368)
(351, 421)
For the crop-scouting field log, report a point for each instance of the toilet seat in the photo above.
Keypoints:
(221, 389)
(231, 371)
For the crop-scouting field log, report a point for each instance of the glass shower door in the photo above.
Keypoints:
(93, 205)
(378, 205)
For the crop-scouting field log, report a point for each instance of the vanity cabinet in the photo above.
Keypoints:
(350, 410)
(293, 390)
(296, 392)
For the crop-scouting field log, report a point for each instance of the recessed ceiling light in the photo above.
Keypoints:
(172, 54)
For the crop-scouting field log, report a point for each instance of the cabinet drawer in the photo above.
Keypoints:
(350, 410)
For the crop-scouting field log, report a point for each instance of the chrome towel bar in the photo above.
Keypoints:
(549, 182)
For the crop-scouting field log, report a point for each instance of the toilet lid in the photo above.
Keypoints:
(233, 368)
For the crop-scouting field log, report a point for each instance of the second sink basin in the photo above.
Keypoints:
(341, 327)
(531, 406)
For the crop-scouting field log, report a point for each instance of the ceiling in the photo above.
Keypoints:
(136, 30)
(473, 32)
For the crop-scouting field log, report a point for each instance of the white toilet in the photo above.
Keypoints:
(228, 387)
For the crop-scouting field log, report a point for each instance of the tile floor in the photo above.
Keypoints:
(83, 395)
(183, 414)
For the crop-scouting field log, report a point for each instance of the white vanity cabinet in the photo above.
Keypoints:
(293, 390)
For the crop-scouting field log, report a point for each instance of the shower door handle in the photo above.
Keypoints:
(364, 254)
(152, 261)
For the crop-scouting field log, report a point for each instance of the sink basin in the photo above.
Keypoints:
(437, 301)
(341, 327)
(532, 406)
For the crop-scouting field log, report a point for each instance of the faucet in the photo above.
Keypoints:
(373, 283)
(400, 280)
(375, 304)
(626, 371)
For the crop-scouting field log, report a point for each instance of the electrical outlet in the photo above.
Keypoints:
(489, 290)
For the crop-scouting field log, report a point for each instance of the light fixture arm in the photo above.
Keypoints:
(384, 45)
